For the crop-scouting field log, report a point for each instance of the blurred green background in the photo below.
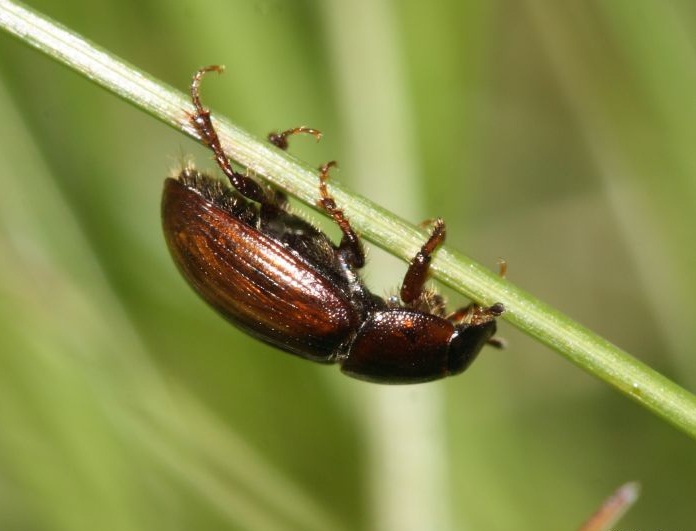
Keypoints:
(558, 135)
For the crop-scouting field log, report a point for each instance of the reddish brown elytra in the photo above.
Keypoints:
(281, 280)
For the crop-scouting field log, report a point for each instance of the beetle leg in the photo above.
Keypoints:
(417, 273)
(279, 199)
(350, 247)
(281, 139)
(497, 342)
(462, 314)
(475, 314)
(246, 186)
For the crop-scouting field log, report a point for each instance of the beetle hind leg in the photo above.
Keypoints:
(246, 186)
(351, 246)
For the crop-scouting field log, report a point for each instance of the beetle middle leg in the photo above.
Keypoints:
(246, 186)
(350, 247)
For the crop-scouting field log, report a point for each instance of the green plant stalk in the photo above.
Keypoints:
(581, 346)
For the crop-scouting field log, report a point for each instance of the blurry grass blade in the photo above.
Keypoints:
(613, 508)
(406, 459)
(227, 455)
(75, 379)
(633, 99)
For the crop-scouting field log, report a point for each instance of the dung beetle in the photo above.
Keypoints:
(283, 281)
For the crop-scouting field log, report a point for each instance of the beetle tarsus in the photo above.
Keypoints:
(280, 140)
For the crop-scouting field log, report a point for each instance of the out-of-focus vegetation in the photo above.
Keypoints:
(557, 135)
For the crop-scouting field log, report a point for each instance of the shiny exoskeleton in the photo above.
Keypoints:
(282, 280)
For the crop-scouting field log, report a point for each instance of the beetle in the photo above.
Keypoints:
(280, 279)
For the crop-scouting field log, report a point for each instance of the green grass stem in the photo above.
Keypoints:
(578, 344)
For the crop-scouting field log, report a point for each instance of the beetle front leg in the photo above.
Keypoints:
(417, 273)
(474, 315)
